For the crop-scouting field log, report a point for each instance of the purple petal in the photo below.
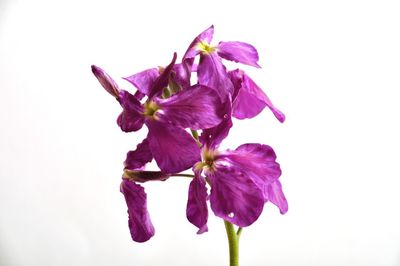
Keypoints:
(197, 107)
(196, 210)
(257, 160)
(234, 197)
(212, 137)
(139, 219)
(249, 99)
(144, 80)
(106, 81)
(144, 176)
(212, 73)
(205, 36)
(138, 158)
(131, 118)
(162, 81)
(181, 75)
(275, 195)
(239, 52)
(173, 148)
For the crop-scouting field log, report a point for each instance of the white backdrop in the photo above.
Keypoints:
(331, 66)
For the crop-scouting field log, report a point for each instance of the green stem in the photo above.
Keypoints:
(185, 175)
(233, 240)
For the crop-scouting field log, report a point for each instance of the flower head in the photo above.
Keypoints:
(195, 107)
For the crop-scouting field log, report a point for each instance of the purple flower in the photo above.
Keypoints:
(196, 107)
(241, 180)
(210, 71)
(139, 222)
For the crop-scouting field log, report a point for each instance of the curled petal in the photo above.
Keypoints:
(138, 158)
(234, 197)
(162, 81)
(196, 210)
(197, 107)
(144, 80)
(205, 36)
(275, 195)
(144, 176)
(239, 52)
(173, 148)
(131, 118)
(249, 99)
(106, 81)
(212, 73)
(139, 219)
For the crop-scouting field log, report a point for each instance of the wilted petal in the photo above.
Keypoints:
(197, 107)
(257, 160)
(205, 36)
(162, 81)
(239, 52)
(131, 118)
(249, 99)
(139, 219)
(173, 148)
(196, 210)
(138, 158)
(144, 80)
(234, 197)
(275, 195)
(212, 73)
(144, 176)
(106, 81)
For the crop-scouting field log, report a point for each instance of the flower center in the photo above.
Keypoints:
(208, 159)
(205, 47)
(150, 109)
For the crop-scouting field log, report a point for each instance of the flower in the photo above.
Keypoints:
(139, 222)
(196, 107)
(210, 71)
(241, 181)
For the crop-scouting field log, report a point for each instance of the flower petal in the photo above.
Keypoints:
(249, 100)
(275, 195)
(212, 73)
(144, 80)
(197, 107)
(131, 118)
(212, 137)
(106, 81)
(181, 75)
(139, 219)
(162, 81)
(239, 52)
(257, 160)
(205, 36)
(173, 148)
(234, 197)
(196, 210)
(138, 158)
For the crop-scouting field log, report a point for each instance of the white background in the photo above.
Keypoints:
(331, 66)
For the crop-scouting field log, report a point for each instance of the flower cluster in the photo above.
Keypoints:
(241, 180)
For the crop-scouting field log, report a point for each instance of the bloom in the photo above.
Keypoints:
(241, 181)
(210, 71)
(195, 107)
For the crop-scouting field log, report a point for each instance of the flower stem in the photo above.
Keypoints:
(184, 175)
(233, 240)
